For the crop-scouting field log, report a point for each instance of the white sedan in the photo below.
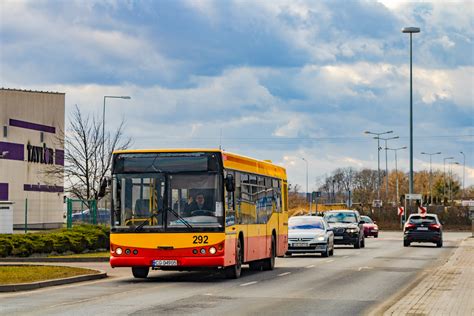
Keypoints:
(310, 234)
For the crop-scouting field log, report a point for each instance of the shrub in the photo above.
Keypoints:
(79, 239)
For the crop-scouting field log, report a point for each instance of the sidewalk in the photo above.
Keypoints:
(448, 290)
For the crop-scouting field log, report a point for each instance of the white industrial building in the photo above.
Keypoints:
(31, 143)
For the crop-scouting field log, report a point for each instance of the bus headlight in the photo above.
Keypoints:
(118, 251)
(212, 250)
(203, 250)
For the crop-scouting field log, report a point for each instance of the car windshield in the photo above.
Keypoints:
(167, 201)
(341, 217)
(417, 219)
(367, 219)
(305, 223)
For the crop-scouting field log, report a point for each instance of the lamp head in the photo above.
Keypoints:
(411, 29)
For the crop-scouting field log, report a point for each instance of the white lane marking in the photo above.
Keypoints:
(249, 283)
(368, 268)
(330, 260)
(284, 273)
(208, 294)
(310, 266)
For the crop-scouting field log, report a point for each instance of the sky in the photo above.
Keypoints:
(279, 80)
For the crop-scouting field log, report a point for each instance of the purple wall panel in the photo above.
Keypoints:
(59, 157)
(42, 188)
(15, 151)
(36, 127)
(3, 191)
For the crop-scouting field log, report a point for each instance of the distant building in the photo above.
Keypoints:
(31, 129)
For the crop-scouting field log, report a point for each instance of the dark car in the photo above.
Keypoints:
(347, 227)
(370, 227)
(310, 234)
(103, 216)
(423, 228)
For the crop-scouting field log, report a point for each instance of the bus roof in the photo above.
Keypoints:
(230, 160)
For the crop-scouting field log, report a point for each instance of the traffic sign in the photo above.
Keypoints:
(377, 203)
(422, 210)
(412, 196)
(401, 210)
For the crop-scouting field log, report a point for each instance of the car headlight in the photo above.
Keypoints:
(352, 230)
(321, 238)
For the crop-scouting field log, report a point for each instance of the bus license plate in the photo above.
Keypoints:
(300, 244)
(165, 263)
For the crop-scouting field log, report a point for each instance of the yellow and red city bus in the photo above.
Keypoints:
(187, 209)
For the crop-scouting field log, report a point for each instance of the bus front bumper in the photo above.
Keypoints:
(181, 262)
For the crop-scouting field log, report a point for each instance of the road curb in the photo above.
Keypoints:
(45, 259)
(42, 284)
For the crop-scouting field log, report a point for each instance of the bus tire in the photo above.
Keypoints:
(234, 272)
(269, 263)
(140, 272)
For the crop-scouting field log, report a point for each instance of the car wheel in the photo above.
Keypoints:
(140, 272)
(326, 252)
(288, 254)
(439, 244)
(357, 244)
(233, 272)
(376, 235)
(406, 243)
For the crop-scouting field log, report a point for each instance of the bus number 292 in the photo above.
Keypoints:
(199, 239)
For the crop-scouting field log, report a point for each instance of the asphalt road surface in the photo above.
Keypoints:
(352, 282)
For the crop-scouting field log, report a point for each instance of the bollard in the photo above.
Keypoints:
(26, 215)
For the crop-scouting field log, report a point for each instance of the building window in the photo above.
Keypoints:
(5, 131)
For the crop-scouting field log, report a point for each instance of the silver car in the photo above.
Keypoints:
(310, 234)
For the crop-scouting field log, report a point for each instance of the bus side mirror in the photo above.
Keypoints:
(229, 183)
(103, 186)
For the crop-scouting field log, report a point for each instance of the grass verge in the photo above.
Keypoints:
(29, 273)
(104, 254)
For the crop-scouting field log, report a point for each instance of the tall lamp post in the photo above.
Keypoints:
(411, 30)
(463, 174)
(126, 97)
(444, 176)
(386, 162)
(378, 157)
(431, 154)
(306, 161)
(396, 166)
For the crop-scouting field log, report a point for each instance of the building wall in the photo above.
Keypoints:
(28, 116)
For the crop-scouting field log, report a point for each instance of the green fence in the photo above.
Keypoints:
(84, 212)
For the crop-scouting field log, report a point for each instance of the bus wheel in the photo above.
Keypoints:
(233, 272)
(269, 263)
(140, 272)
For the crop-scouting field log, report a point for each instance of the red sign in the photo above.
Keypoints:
(401, 210)
(422, 210)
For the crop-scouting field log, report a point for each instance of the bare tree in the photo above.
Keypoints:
(86, 164)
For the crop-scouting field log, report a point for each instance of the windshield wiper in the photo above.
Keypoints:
(148, 220)
(185, 222)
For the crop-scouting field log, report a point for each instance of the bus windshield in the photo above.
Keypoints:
(174, 197)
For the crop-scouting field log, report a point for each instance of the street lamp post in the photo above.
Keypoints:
(378, 158)
(431, 154)
(396, 168)
(126, 97)
(411, 30)
(444, 176)
(306, 161)
(463, 174)
(386, 162)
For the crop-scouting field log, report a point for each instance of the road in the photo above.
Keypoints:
(353, 282)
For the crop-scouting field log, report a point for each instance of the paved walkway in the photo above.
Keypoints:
(447, 290)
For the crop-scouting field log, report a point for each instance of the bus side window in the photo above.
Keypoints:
(238, 199)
